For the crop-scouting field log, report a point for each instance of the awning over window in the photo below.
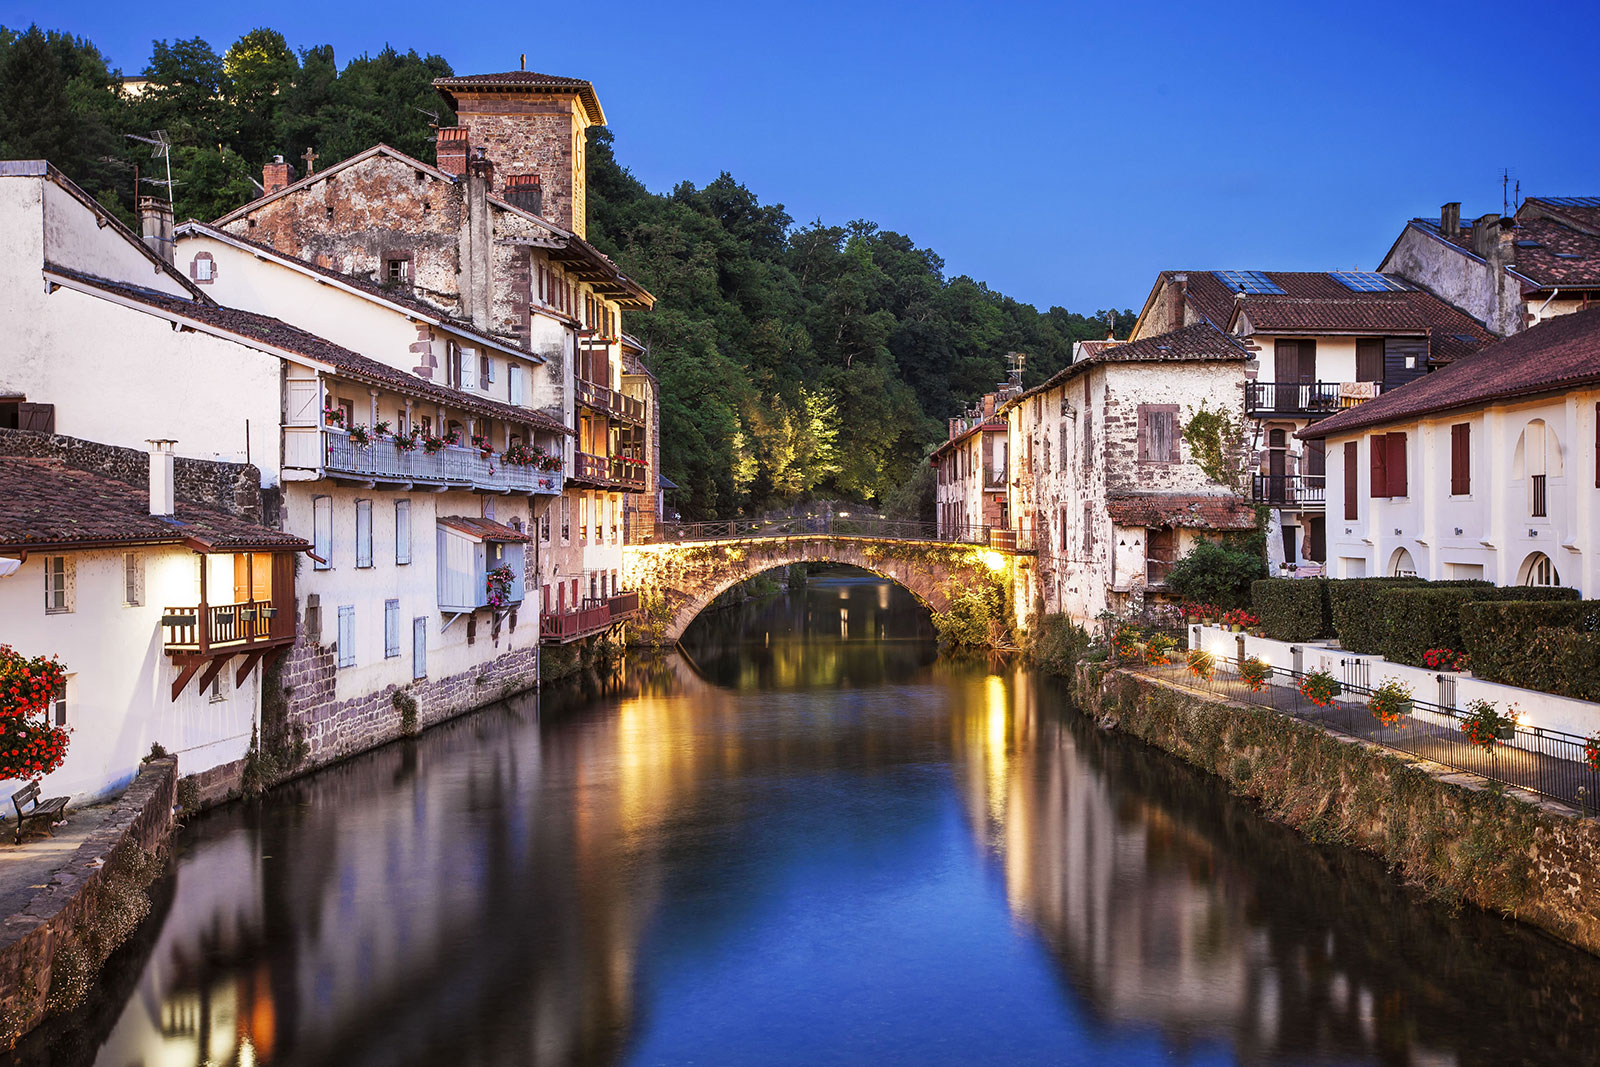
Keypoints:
(483, 529)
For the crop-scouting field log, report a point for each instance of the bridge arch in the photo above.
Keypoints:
(678, 581)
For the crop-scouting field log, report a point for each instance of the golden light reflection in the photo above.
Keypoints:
(995, 755)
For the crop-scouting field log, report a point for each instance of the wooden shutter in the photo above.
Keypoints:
(1461, 459)
(1308, 361)
(1378, 456)
(41, 418)
(1395, 467)
(1351, 510)
(1369, 361)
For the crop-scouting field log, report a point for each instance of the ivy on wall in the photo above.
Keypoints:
(1216, 441)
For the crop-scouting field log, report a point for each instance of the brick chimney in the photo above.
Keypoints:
(276, 175)
(988, 406)
(161, 476)
(523, 191)
(1177, 293)
(155, 221)
(1450, 219)
(451, 150)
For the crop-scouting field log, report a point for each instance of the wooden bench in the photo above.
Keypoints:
(51, 811)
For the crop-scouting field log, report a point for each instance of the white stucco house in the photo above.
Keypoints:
(972, 475)
(1486, 468)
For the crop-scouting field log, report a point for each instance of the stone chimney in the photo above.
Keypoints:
(480, 235)
(1450, 219)
(276, 175)
(523, 191)
(161, 476)
(1486, 234)
(1177, 293)
(155, 220)
(988, 407)
(450, 150)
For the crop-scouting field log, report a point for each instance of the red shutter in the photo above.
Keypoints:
(1461, 459)
(1378, 457)
(1395, 468)
(1350, 468)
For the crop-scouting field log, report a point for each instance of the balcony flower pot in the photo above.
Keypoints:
(247, 614)
(178, 620)
(269, 613)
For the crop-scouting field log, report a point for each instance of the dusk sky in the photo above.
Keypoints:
(1061, 153)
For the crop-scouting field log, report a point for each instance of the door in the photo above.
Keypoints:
(1286, 373)
(1369, 361)
(1159, 553)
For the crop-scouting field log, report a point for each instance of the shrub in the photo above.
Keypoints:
(1499, 634)
(1357, 611)
(1056, 644)
(1293, 609)
(1565, 662)
(1416, 620)
(1216, 574)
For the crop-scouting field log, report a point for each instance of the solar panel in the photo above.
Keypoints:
(1366, 281)
(1248, 281)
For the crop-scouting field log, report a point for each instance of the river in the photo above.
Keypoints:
(806, 839)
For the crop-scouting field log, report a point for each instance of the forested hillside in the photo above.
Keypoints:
(795, 361)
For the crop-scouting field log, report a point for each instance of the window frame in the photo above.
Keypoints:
(66, 572)
(1148, 417)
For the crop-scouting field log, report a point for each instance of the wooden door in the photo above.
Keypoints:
(1369, 361)
(1159, 552)
(1286, 375)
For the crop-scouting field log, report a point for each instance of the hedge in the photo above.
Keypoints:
(1566, 662)
(1292, 609)
(1499, 634)
(1416, 620)
(1357, 611)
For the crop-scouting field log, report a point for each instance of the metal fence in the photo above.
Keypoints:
(1548, 762)
(813, 525)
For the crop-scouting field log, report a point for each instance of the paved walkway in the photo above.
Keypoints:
(1542, 764)
(27, 868)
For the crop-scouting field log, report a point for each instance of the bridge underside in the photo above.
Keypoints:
(677, 581)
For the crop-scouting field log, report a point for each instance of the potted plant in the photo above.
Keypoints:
(1320, 687)
(1201, 664)
(1591, 751)
(380, 428)
(481, 443)
(1485, 725)
(1254, 673)
(247, 614)
(406, 442)
(360, 436)
(333, 416)
(431, 445)
(1390, 701)
(453, 437)
(1156, 649)
(1125, 642)
(497, 586)
(269, 612)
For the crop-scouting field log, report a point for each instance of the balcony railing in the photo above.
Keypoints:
(1309, 399)
(1304, 491)
(623, 605)
(628, 473)
(627, 407)
(590, 468)
(239, 627)
(593, 395)
(453, 466)
(993, 479)
(594, 616)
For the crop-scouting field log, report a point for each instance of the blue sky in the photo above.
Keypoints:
(1063, 153)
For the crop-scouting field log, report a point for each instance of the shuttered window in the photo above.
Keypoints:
(1396, 464)
(363, 533)
(1369, 361)
(132, 579)
(322, 531)
(59, 575)
(1158, 433)
(419, 647)
(1351, 467)
(391, 629)
(1460, 459)
(347, 635)
(402, 531)
(1378, 459)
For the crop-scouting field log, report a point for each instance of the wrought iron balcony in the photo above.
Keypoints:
(1303, 491)
(1306, 399)
(331, 453)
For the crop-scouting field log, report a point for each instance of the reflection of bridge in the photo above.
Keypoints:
(685, 568)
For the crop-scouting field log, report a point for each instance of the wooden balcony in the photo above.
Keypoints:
(593, 395)
(624, 606)
(331, 453)
(238, 627)
(628, 408)
(595, 616)
(627, 474)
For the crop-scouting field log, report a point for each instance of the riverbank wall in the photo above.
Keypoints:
(52, 949)
(1457, 836)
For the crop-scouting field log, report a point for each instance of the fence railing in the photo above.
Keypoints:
(202, 627)
(1307, 398)
(1298, 490)
(813, 525)
(452, 465)
(1548, 762)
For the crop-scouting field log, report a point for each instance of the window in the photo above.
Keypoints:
(566, 519)
(58, 707)
(544, 525)
(485, 371)
(1461, 459)
(515, 390)
(467, 361)
(419, 647)
(391, 629)
(347, 635)
(1541, 502)
(1538, 570)
(1369, 361)
(1351, 496)
(322, 531)
(132, 579)
(397, 270)
(402, 531)
(583, 518)
(1158, 433)
(1062, 451)
(203, 268)
(219, 687)
(58, 584)
(1388, 463)
(363, 533)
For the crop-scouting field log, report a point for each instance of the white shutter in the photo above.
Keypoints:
(347, 635)
(322, 530)
(419, 647)
(515, 392)
(391, 628)
(402, 531)
(469, 369)
(303, 407)
(363, 533)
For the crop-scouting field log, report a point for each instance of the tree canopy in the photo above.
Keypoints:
(796, 361)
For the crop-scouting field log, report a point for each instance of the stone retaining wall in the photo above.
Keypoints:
(68, 915)
(1461, 837)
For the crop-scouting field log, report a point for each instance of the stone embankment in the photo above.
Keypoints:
(52, 949)
(1459, 837)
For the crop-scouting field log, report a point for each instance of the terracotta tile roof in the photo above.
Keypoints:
(46, 504)
(1193, 511)
(1094, 348)
(280, 335)
(1300, 314)
(1549, 253)
(1201, 342)
(1558, 354)
(992, 426)
(1582, 212)
(484, 529)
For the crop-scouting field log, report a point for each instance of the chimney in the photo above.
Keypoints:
(480, 251)
(1450, 219)
(1177, 292)
(450, 150)
(988, 406)
(523, 191)
(155, 218)
(161, 476)
(1486, 235)
(276, 175)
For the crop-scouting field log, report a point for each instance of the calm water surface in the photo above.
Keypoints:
(806, 840)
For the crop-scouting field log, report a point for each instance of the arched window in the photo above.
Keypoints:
(1538, 570)
(1401, 565)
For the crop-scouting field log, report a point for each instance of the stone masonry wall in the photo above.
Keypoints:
(531, 136)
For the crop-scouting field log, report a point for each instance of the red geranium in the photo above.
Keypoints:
(27, 688)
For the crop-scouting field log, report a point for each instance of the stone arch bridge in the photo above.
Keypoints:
(678, 579)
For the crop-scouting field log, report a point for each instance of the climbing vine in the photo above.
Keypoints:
(1216, 441)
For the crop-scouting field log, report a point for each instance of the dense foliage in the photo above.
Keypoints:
(1219, 574)
(1553, 646)
(796, 362)
(1292, 609)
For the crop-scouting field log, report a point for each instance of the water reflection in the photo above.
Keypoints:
(741, 856)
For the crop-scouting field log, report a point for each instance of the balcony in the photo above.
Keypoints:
(592, 395)
(240, 627)
(1301, 491)
(331, 453)
(595, 616)
(629, 408)
(624, 605)
(1313, 400)
(628, 473)
(994, 481)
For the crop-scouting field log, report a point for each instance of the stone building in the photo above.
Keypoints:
(972, 476)
(1121, 462)
(1488, 468)
(1508, 273)
(1318, 342)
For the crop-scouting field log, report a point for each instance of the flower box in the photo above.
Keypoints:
(247, 614)
(269, 613)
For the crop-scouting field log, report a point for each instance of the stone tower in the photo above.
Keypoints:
(531, 127)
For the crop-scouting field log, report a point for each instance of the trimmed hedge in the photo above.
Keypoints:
(1566, 662)
(1416, 620)
(1358, 616)
(1292, 609)
(1500, 634)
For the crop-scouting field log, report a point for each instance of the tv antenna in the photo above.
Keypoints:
(161, 149)
(432, 115)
